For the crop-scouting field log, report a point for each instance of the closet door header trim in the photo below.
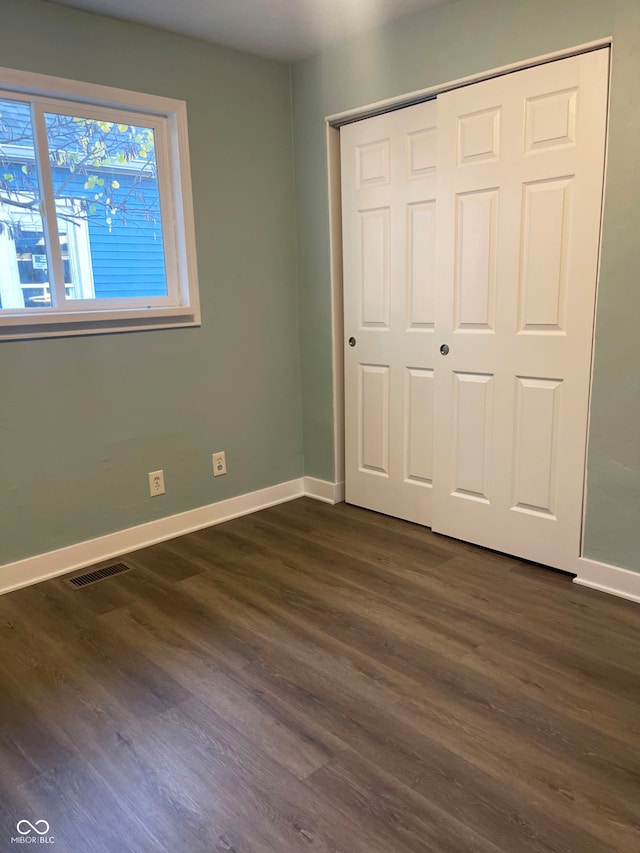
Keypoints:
(409, 99)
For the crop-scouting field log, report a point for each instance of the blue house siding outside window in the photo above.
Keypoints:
(128, 260)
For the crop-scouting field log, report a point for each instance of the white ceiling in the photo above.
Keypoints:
(287, 30)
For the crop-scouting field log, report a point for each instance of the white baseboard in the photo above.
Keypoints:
(41, 567)
(611, 579)
(323, 490)
(44, 566)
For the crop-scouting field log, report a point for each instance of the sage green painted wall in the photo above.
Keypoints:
(82, 420)
(435, 47)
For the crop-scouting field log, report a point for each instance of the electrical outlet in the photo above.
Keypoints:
(156, 483)
(219, 464)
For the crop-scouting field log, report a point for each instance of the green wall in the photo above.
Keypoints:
(82, 420)
(444, 44)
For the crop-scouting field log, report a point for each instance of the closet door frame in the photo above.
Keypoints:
(332, 130)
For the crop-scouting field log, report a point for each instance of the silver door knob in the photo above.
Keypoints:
(444, 349)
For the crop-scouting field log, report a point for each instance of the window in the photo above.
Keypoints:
(96, 221)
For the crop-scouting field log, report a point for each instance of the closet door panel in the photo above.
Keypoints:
(389, 239)
(519, 193)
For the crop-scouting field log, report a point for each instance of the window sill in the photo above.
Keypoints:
(25, 327)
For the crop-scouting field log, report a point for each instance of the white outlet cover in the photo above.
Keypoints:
(156, 483)
(219, 463)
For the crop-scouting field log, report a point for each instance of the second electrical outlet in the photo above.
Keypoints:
(219, 464)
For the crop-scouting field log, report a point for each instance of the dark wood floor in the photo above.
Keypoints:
(317, 678)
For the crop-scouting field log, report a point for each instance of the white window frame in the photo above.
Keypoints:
(168, 118)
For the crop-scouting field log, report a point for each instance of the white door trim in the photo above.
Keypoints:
(334, 175)
(395, 103)
(332, 129)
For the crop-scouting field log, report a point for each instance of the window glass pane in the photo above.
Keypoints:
(105, 184)
(24, 274)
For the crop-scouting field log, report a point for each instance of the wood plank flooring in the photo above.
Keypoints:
(318, 678)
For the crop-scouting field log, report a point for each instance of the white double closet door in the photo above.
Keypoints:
(471, 227)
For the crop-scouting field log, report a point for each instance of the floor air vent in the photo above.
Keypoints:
(98, 575)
